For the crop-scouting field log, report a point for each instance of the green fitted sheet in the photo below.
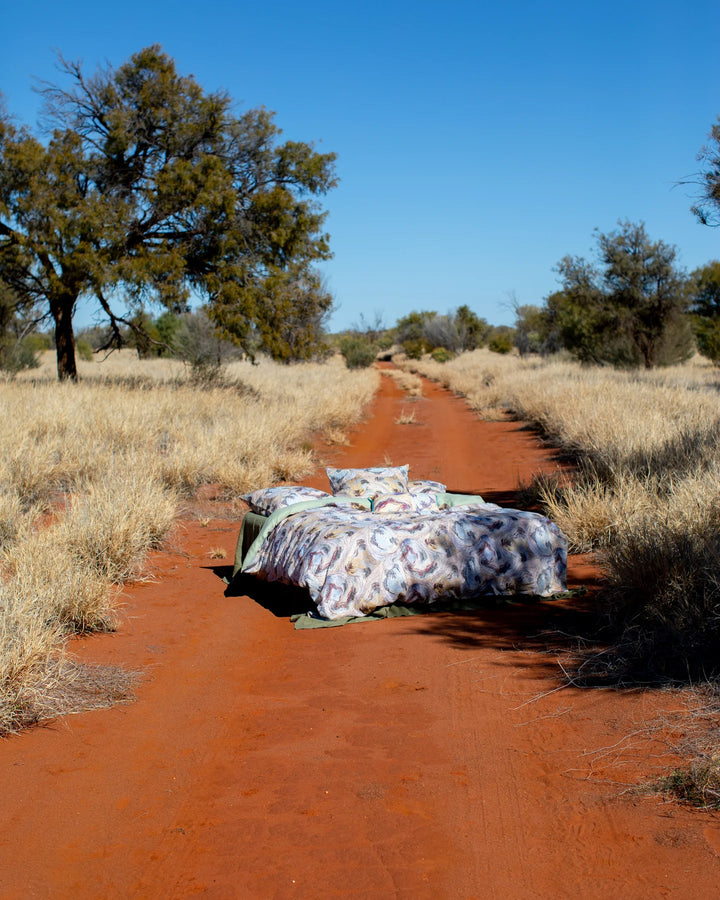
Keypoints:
(251, 527)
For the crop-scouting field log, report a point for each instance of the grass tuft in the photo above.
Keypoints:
(91, 478)
(698, 785)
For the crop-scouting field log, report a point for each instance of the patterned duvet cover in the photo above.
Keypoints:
(354, 561)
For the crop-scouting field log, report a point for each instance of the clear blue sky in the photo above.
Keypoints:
(478, 142)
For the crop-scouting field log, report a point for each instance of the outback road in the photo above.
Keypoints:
(425, 757)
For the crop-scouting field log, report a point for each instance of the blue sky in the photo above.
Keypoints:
(478, 142)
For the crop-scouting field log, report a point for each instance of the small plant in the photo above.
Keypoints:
(441, 355)
(358, 351)
(406, 418)
(16, 355)
(501, 343)
(84, 349)
(414, 348)
(698, 785)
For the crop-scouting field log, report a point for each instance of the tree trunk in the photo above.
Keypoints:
(65, 341)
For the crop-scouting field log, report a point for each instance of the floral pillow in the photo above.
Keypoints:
(426, 487)
(266, 500)
(370, 483)
(405, 503)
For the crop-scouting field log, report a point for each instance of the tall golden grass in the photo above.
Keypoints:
(91, 475)
(645, 496)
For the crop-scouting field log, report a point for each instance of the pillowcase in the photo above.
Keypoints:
(369, 483)
(404, 503)
(426, 487)
(266, 500)
(448, 501)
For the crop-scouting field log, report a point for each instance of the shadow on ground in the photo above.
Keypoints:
(545, 629)
(281, 600)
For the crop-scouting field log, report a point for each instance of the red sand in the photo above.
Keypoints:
(429, 757)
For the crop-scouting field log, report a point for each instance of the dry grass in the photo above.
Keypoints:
(694, 735)
(91, 478)
(646, 494)
(253, 430)
(61, 686)
(109, 536)
(405, 380)
(646, 497)
(406, 417)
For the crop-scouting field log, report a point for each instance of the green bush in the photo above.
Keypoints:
(359, 353)
(441, 355)
(84, 349)
(414, 348)
(501, 343)
(18, 355)
(707, 331)
(38, 341)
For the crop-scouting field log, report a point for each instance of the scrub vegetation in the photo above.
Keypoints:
(644, 496)
(645, 493)
(92, 475)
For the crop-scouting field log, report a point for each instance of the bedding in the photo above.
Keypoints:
(266, 500)
(354, 561)
(369, 483)
(426, 487)
(396, 503)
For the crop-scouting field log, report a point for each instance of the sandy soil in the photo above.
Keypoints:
(429, 757)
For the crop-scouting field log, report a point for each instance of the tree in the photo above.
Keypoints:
(707, 208)
(197, 343)
(442, 332)
(501, 338)
(530, 328)
(410, 332)
(364, 340)
(168, 324)
(629, 310)
(705, 290)
(705, 308)
(472, 329)
(148, 189)
(19, 345)
(144, 335)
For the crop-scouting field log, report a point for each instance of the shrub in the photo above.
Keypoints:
(84, 349)
(441, 355)
(663, 596)
(110, 537)
(501, 342)
(698, 785)
(707, 332)
(414, 348)
(441, 332)
(39, 341)
(18, 355)
(358, 351)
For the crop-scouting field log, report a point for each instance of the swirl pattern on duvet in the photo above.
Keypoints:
(353, 562)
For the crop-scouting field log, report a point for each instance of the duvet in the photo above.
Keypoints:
(353, 561)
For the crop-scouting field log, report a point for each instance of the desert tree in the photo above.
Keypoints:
(707, 205)
(472, 329)
(442, 331)
(148, 189)
(531, 328)
(627, 308)
(704, 305)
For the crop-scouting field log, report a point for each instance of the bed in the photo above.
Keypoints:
(380, 539)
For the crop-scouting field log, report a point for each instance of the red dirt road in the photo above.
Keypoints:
(424, 757)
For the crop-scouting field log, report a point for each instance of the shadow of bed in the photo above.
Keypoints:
(282, 600)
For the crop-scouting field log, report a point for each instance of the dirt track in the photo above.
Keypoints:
(426, 757)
